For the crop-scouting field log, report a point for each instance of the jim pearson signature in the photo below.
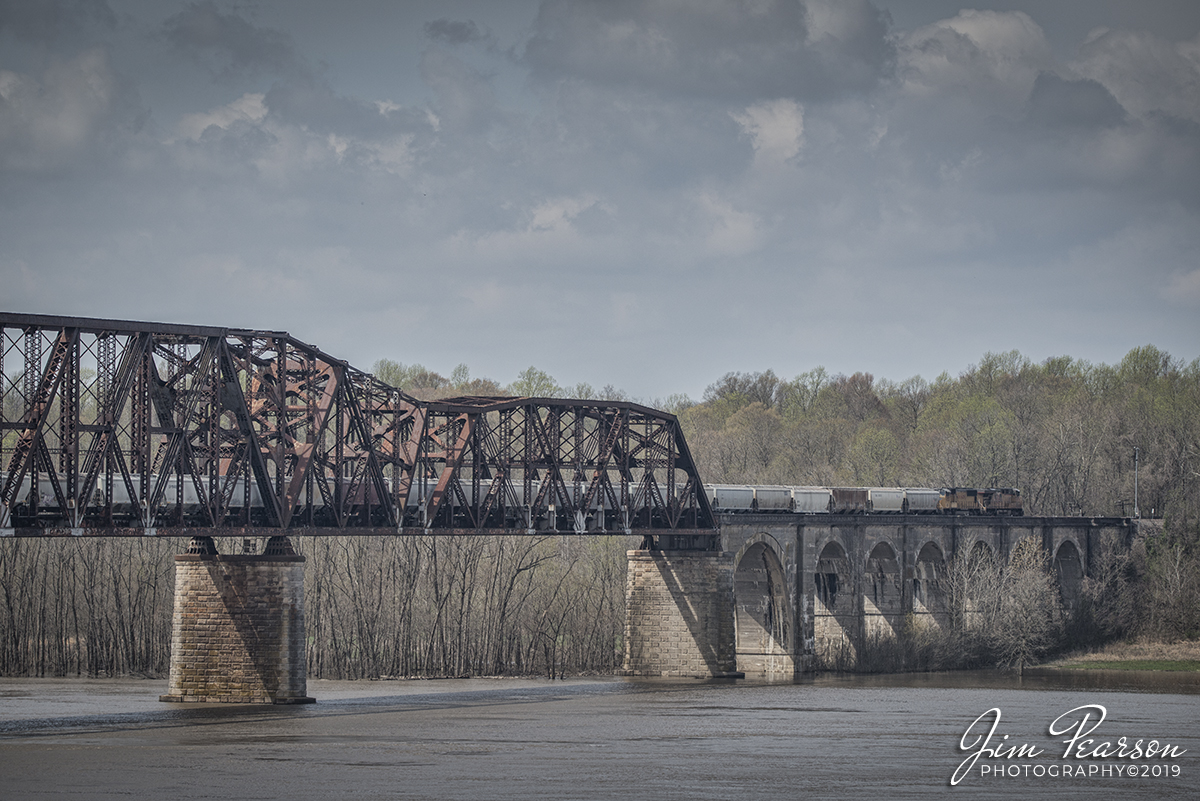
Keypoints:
(1077, 724)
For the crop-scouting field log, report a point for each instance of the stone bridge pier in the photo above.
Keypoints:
(787, 593)
(237, 634)
(679, 615)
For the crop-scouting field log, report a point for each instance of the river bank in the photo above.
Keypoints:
(1181, 656)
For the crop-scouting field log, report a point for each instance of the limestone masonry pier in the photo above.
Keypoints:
(679, 614)
(238, 627)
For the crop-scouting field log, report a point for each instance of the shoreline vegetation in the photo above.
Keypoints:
(1180, 656)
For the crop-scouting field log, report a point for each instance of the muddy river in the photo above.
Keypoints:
(967, 735)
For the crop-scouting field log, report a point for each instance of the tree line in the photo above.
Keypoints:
(1063, 431)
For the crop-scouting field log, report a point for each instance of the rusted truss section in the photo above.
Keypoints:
(120, 428)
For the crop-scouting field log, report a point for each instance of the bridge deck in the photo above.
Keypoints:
(964, 520)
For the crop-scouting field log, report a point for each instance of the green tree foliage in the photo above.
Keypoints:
(534, 383)
(411, 378)
(421, 382)
(1063, 431)
(581, 391)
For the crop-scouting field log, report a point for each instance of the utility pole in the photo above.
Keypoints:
(1136, 512)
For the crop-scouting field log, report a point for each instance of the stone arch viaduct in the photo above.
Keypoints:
(785, 590)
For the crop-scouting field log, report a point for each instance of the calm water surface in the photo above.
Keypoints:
(844, 738)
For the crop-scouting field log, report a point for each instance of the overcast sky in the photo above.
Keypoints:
(643, 194)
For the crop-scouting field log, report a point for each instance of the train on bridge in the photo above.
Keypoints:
(724, 498)
(740, 499)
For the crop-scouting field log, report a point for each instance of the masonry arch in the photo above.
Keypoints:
(832, 577)
(929, 585)
(882, 590)
(1068, 569)
(883, 597)
(762, 618)
(981, 551)
(835, 609)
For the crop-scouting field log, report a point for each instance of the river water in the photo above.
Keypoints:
(833, 737)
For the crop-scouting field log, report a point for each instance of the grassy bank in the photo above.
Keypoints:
(1177, 656)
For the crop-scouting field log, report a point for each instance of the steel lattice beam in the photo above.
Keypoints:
(114, 428)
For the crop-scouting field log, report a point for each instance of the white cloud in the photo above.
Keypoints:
(733, 50)
(776, 128)
(392, 154)
(247, 108)
(556, 215)
(543, 236)
(605, 173)
(287, 146)
(489, 297)
(989, 56)
(1144, 72)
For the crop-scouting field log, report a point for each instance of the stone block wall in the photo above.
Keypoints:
(679, 614)
(238, 630)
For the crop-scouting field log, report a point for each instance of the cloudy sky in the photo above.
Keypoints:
(640, 193)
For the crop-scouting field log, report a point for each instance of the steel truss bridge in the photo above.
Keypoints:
(118, 428)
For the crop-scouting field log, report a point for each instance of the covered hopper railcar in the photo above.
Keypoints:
(743, 499)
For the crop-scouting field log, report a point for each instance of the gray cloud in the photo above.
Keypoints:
(73, 113)
(229, 44)
(1145, 73)
(740, 50)
(1085, 103)
(54, 21)
(454, 32)
(743, 185)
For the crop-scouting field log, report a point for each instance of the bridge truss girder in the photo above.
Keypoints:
(112, 428)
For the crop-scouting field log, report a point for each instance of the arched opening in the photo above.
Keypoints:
(835, 617)
(1068, 569)
(883, 597)
(761, 619)
(929, 585)
(982, 553)
(832, 576)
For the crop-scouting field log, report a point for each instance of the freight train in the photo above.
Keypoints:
(724, 498)
(737, 498)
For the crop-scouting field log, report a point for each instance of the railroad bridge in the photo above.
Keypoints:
(118, 428)
(783, 589)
